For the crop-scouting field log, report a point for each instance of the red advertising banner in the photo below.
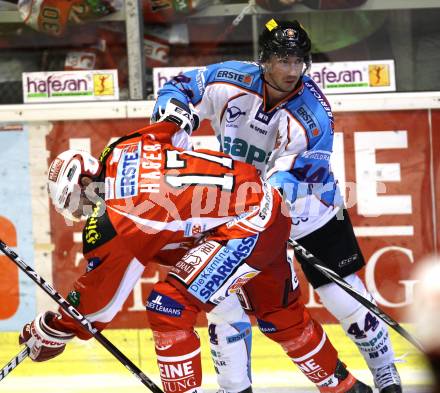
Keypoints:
(388, 192)
(384, 162)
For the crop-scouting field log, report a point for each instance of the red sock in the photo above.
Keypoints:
(315, 356)
(179, 361)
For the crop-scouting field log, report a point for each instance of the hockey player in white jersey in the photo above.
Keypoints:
(272, 115)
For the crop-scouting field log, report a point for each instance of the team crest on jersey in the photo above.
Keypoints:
(229, 75)
(233, 113)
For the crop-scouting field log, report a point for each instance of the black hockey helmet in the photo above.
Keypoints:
(284, 38)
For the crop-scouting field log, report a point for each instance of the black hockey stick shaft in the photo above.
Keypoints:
(23, 354)
(338, 280)
(79, 318)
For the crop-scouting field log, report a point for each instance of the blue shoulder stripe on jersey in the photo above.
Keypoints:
(190, 86)
(251, 91)
(319, 95)
(234, 76)
(239, 73)
(313, 112)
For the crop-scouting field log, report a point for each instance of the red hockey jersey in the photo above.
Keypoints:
(159, 201)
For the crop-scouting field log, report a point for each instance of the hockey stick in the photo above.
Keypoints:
(338, 280)
(81, 319)
(23, 354)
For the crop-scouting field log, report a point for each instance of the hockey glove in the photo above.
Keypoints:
(44, 342)
(178, 113)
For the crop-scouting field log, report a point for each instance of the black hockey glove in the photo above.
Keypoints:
(178, 113)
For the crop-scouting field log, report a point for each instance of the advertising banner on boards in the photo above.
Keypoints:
(70, 86)
(373, 76)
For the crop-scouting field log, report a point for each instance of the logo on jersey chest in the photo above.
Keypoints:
(233, 75)
(264, 117)
(237, 147)
(233, 114)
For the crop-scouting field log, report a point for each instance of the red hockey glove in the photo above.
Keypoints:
(44, 342)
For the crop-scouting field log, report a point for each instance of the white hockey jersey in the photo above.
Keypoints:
(295, 135)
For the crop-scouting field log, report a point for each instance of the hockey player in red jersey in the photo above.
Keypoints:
(213, 221)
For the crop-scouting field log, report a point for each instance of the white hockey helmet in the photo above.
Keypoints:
(65, 174)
